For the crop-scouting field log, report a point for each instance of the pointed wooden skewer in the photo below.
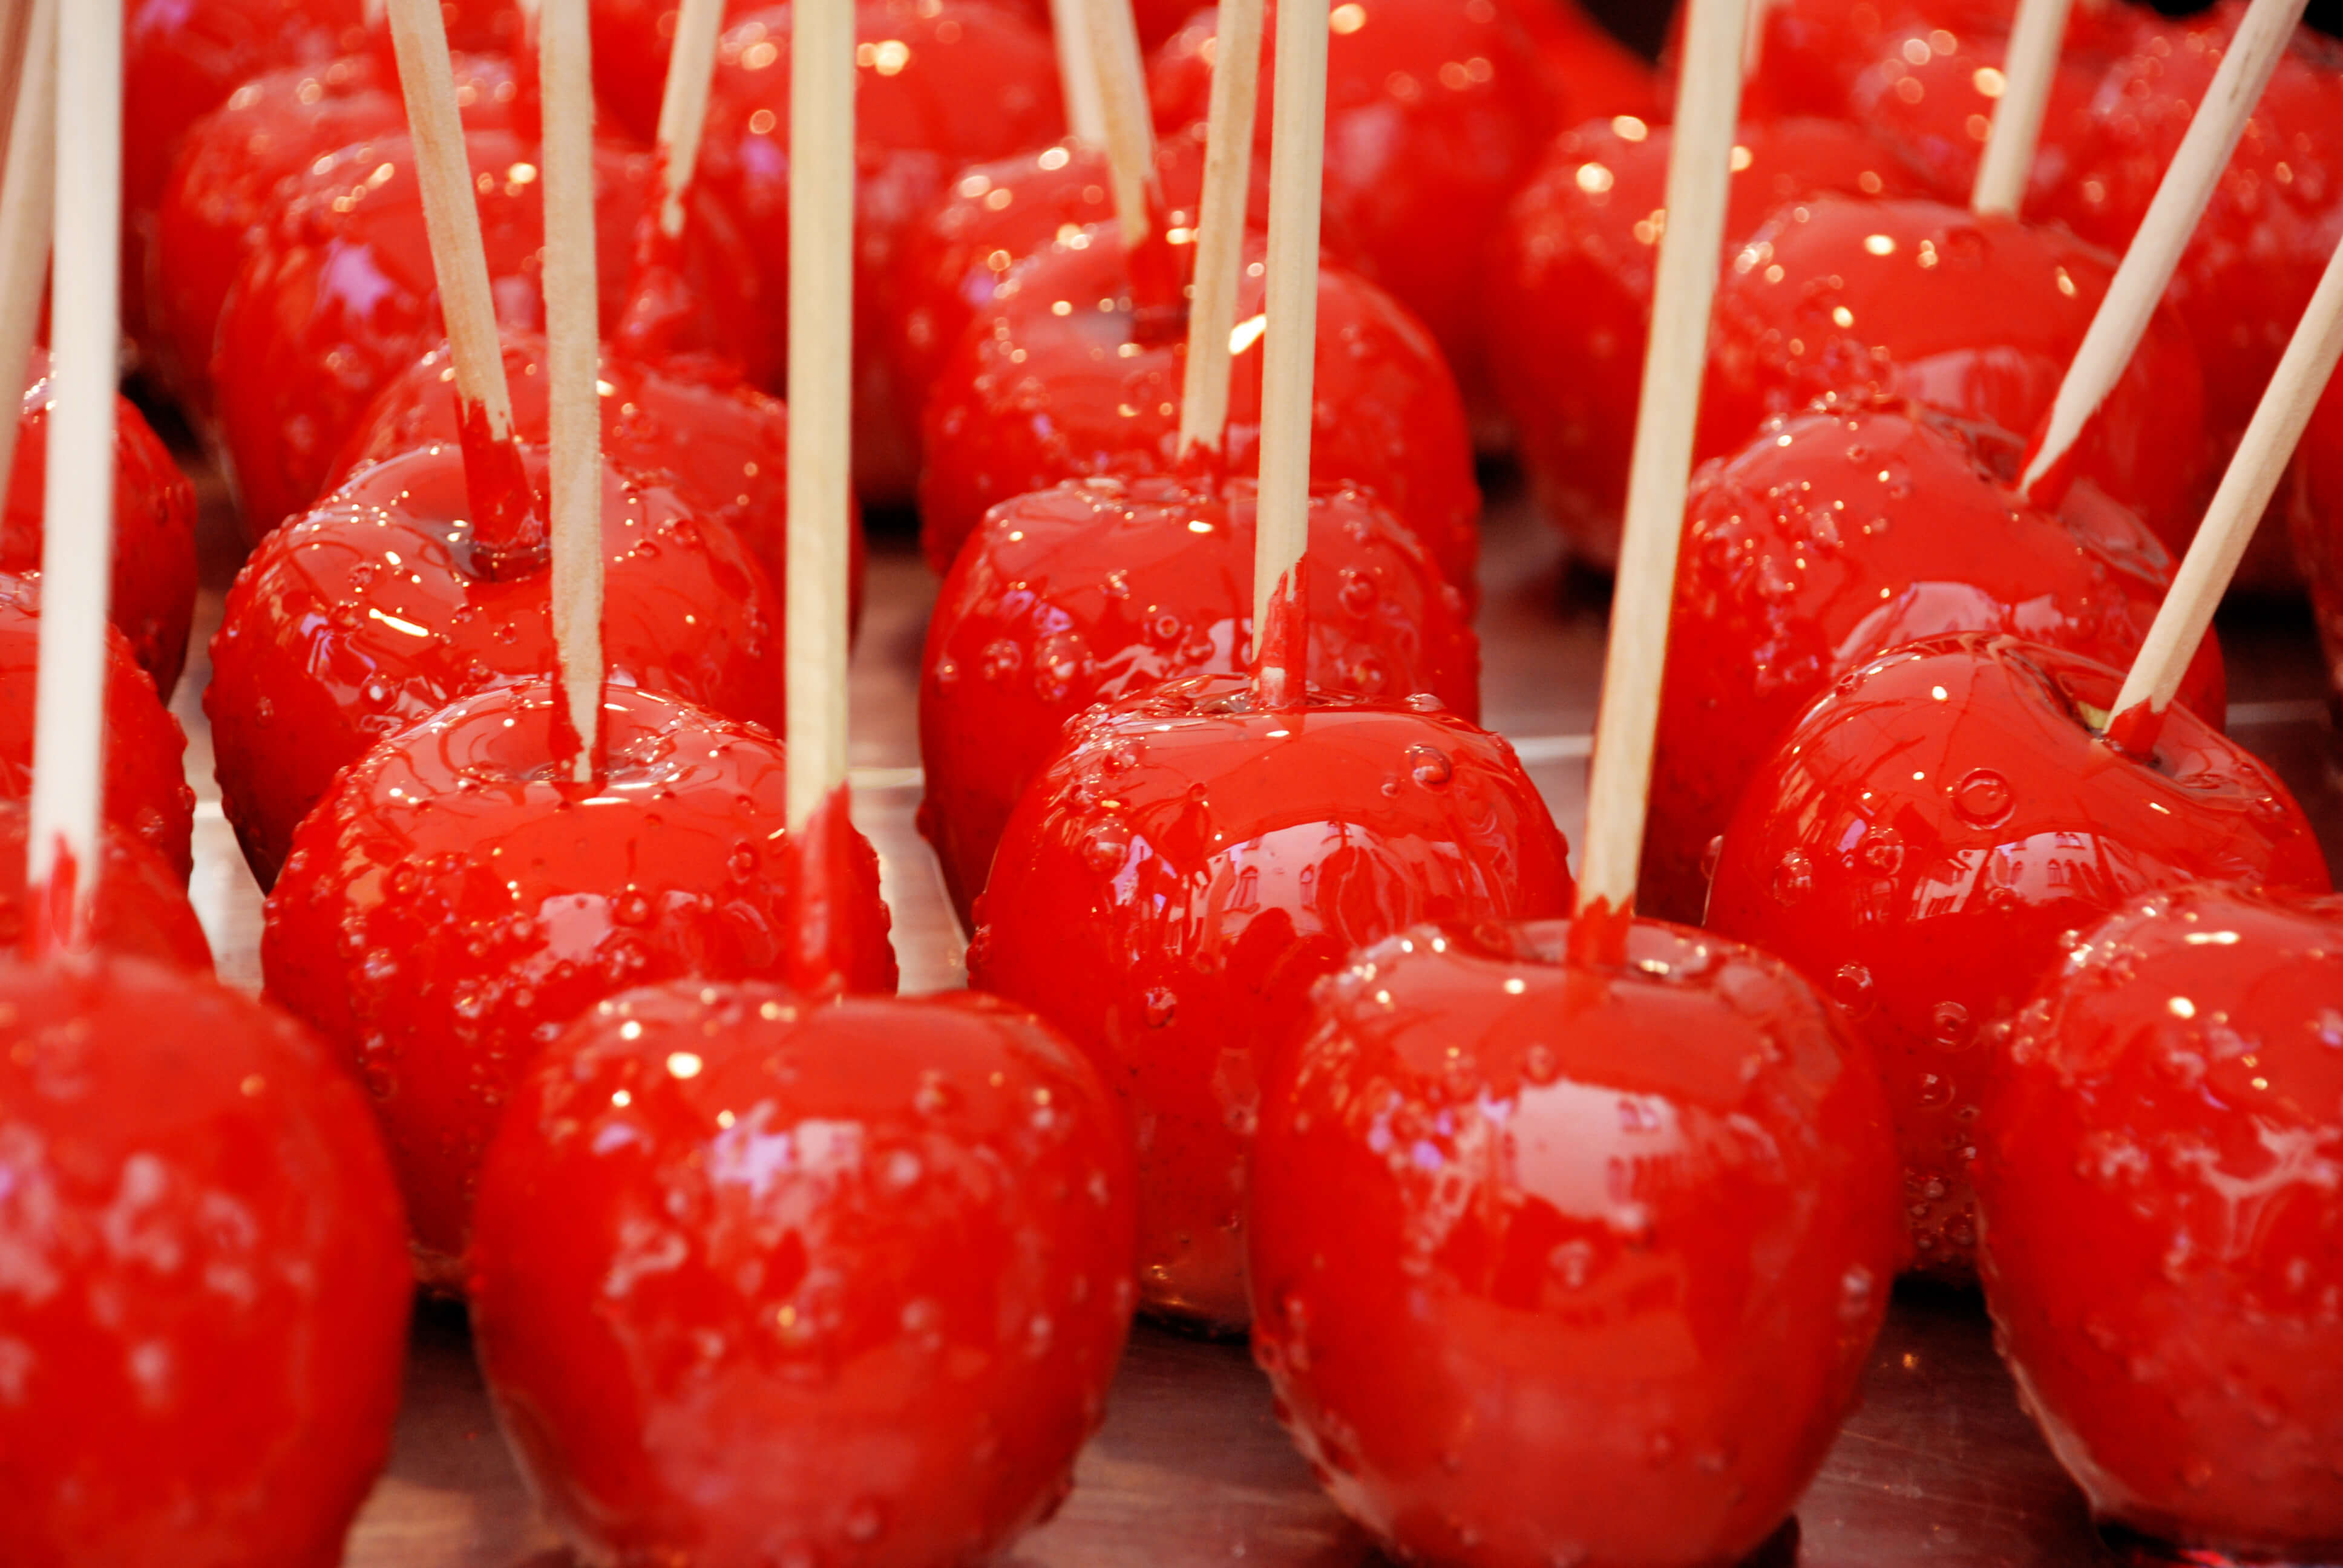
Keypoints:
(2028, 68)
(573, 359)
(1708, 102)
(1297, 158)
(503, 525)
(27, 192)
(1221, 225)
(64, 857)
(1129, 129)
(2271, 438)
(683, 107)
(1078, 81)
(2147, 266)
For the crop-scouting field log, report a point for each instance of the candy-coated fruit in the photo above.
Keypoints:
(1929, 832)
(1976, 316)
(892, 1276)
(1435, 114)
(204, 1313)
(339, 297)
(375, 611)
(457, 899)
(2313, 505)
(1186, 869)
(632, 40)
(2161, 1245)
(1566, 1265)
(179, 62)
(1062, 378)
(1095, 592)
(146, 792)
(1569, 300)
(234, 171)
(1835, 537)
(153, 592)
(943, 84)
(142, 909)
(687, 422)
(1601, 76)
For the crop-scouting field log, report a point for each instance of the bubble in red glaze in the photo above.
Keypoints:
(943, 84)
(336, 298)
(758, 1280)
(1060, 379)
(374, 611)
(1171, 887)
(1938, 909)
(2157, 1182)
(207, 1293)
(146, 792)
(1569, 301)
(235, 169)
(1650, 1205)
(1976, 316)
(1835, 537)
(457, 900)
(1098, 592)
(153, 591)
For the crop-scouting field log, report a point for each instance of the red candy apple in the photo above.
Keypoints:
(1172, 884)
(204, 1311)
(1931, 830)
(153, 594)
(146, 792)
(1560, 1264)
(375, 610)
(632, 40)
(1569, 300)
(1836, 537)
(1062, 378)
(141, 911)
(2161, 1244)
(340, 297)
(1098, 592)
(457, 899)
(757, 1280)
(1976, 316)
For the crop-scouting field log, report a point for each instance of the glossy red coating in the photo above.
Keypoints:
(1095, 592)
(892, 1276)
(2312, 504)
(206, 1310)
(153, 591)
(235, 168)
(1568, 300)
(1836, 537)
(146, 792)
(142, 909)
(1189, 864)
(338, 298)
(1930, 831)
(373, 612)
(2161, 1245)
(1036, 394)
(687, 422)
(179, 62)
(1564, 1264)
(1976, 316)
(943, 84)
(1435, 114)
(632, 40)
(456, 902)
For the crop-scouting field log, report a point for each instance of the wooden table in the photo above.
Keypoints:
(1938, 1467)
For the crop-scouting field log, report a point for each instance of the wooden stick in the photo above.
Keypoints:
(1708, 101)
(77, 539)
(1221, 225)
(2237, 510)
(573, 361)
(1752, 39)
(683, 108)
(15, 29)
(2027, 69)
(27, 213)
(2165, 232)
(1078, 81)
(821, 313)
(1130, 128)
(1297, 159)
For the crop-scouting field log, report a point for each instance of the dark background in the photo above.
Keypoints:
(1643, 22)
